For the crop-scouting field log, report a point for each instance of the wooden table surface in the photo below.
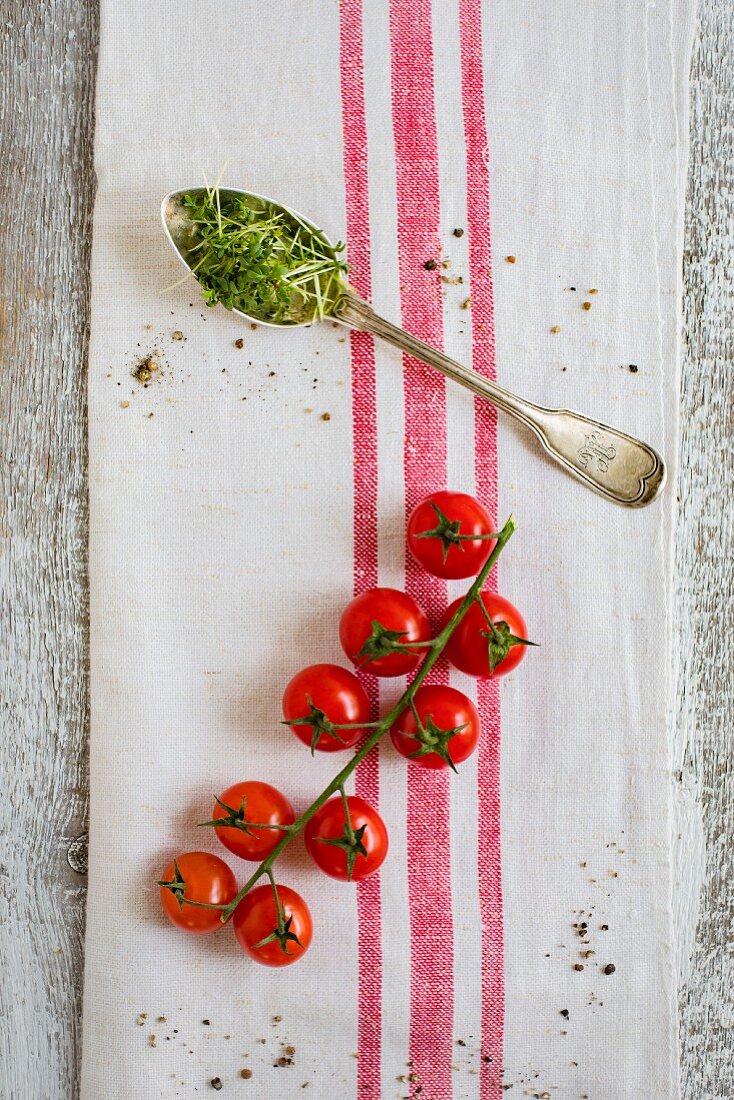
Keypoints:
(48, 53)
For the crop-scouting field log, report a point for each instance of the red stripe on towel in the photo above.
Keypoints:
(485, 441)
(364, 420)
(429, 854)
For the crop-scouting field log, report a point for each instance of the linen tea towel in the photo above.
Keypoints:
(231, 521)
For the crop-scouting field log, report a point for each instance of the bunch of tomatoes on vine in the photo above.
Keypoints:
(384, 633)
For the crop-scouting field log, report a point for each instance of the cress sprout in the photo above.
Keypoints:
(256, 257)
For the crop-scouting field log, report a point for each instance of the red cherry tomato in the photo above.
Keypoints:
(356, 857)
(472, 647)
(450, 727)
(251, 801)
(197, 876)
(256, 918)
(438, 531)
(320, 695)
(370, 646)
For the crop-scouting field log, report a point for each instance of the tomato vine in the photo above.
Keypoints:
(235, 815)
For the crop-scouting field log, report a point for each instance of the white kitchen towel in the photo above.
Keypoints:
(232, 519)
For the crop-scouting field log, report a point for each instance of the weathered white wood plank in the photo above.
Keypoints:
(705, 545)
(47, 53)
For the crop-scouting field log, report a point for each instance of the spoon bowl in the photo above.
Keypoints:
(180, 231)
(616, 465)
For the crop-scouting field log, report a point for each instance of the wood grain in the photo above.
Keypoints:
(47, 56)
(705, 544)
(47, 62)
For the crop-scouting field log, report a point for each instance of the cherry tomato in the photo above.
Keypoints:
(246, 802)
(354, 857)
(196, 876)
(320, 695)
(256, 919)
(439, 531)
(378, 621)
(450, 723)
(475, 650)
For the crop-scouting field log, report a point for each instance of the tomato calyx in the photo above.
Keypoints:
(382, 642)
(448, 531)
(282, 931)
(433, 739)
(319, 724)
(282, 934)
(176, 885)
(236, 819)
(352, 844)
(499, 638)
(351, 841)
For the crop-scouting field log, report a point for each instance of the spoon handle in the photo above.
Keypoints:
(615, 464)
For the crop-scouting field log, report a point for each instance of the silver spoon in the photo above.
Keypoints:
(615, 464)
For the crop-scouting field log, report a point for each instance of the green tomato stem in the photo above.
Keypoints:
(347, 816)
(354, 725)
(475, 538)
(337, 783)
(203, 904)
(488, 618)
